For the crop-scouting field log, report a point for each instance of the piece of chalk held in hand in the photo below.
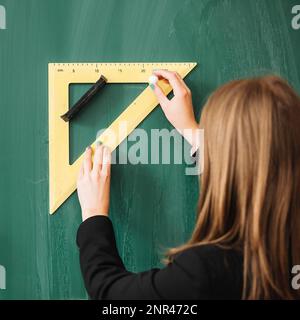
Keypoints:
(153, 79)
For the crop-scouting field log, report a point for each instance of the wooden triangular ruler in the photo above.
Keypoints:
(62, 174)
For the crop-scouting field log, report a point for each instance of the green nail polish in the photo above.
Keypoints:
(151, 86)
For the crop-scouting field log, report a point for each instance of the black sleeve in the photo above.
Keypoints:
(106, 277)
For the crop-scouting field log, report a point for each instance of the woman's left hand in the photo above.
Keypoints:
(93, 183)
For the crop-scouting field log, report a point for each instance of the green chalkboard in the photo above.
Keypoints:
(152, 206)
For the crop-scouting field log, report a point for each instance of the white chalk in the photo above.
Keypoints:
(153, 79)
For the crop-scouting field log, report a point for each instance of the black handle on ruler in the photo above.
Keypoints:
(84, 99)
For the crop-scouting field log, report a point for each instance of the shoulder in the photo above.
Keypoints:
(209, 252)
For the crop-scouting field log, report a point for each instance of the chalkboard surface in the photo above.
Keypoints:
(152, 206)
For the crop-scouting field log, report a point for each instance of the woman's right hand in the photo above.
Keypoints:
(179, 110)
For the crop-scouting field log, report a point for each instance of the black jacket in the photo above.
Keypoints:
(203, 272)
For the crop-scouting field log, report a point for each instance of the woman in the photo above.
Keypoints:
(247, 235)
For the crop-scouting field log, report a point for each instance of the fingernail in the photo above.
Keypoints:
(151, 86)
(99, 143)
(88, 148)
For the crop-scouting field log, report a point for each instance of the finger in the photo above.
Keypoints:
(173, 79)
(178, 76)
(175, 73)
(98, 158)
(87, 162)
(162, 99)
(80, 173)
(106, 162)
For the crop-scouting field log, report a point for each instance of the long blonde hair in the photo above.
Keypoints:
(250, 187)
